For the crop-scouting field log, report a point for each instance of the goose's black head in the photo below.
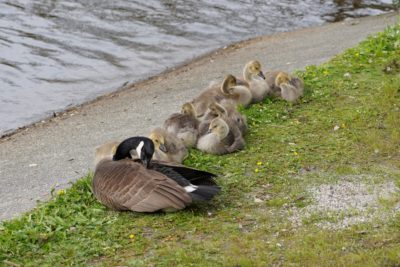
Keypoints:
(143, 147)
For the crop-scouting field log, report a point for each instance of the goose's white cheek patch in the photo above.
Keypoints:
(139, 149)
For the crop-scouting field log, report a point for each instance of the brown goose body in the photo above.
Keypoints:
(128, 185)
(141, 184)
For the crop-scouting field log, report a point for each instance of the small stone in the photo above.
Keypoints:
(257, 200)
(32, 165)
(337, 127)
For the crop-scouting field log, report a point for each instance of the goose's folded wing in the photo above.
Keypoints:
(195, 176)
(127, 185)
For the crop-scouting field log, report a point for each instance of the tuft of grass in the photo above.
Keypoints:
(347, 125)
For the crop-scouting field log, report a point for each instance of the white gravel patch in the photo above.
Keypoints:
(351, 201)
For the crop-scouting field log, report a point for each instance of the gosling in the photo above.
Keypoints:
(168, 147)
(221, 138)
(184, 125)
(255, 80)
(285, 86)
(228, 90)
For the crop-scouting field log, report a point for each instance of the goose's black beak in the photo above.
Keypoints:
(146, 163)
(209, 131)
(163, 148)
(260, 74)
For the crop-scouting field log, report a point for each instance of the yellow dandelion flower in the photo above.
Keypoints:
(131, 236)
(357, 54)
(343, 125)
(256, 170)
(295, 153)
(326, 72)
(61, 192)
(259, 163)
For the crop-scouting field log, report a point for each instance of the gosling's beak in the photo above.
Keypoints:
(260, 74)
(163, 148)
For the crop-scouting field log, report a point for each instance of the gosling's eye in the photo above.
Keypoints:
(156, 141)
(238, 119)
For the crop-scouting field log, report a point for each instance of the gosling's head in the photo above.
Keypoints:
(141, 146)
(216, 109)
(219, 127)
(188, 109)
(158, 137)
(105, 151)
(281, 78)
(253, 68)
(228, 83)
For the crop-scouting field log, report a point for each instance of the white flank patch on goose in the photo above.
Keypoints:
(190, 188)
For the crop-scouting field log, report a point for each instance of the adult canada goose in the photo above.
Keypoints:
(228, 90)
(255, 80)
(285, 86)
(226, 110)
(222, 137)
(184, 125)
(167, 146)
(144, 185)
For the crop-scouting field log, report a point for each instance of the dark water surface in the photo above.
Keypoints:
(54, 53)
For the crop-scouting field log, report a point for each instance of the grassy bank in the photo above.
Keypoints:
(317, 184)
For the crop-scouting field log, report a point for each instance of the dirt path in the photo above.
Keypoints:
(58, 151)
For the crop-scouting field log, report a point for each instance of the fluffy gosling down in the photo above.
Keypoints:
(228, 90)
(226, 110)
(168, 147)
(221, 138)
(184, 125)
(285, 86)
(255, 80)
(145, 185)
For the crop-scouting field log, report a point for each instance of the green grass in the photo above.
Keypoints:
(290, 149)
